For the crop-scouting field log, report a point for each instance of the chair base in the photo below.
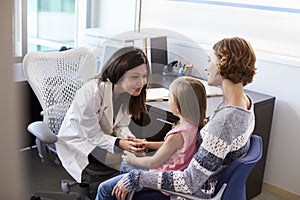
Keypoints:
(81, 194)
(59, 196)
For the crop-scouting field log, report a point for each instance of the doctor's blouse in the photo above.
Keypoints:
(90, 123)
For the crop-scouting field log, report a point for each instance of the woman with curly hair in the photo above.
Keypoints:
(223, 139)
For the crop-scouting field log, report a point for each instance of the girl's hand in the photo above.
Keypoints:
(128, 157)
(119, 191)
(138, 140)
(132, 144)
(142, 144)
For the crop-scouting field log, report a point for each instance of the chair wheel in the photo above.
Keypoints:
(35, 198)
(65, 186)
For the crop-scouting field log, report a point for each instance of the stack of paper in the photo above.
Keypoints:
(157, 94)
(212, 90)
(162, 94)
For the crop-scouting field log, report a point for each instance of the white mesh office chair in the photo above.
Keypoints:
(55, 77)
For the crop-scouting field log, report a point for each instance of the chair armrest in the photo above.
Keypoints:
(187, 196)
(218, 196)
(42, 132)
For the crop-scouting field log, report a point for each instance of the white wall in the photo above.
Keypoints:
(283, 164)
(119, 19)
(275, 38)
(275, 32)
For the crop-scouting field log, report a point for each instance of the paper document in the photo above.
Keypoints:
(162, 94)
(157, 94)
(211, 90)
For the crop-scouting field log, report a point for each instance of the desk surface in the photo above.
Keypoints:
(212, 102)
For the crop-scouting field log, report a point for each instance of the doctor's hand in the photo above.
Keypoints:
(119, 191)
(132, 145)
(140, 143)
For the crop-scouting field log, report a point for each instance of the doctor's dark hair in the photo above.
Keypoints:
(117, 65)
(236, 60)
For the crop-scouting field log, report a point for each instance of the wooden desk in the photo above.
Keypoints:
(160, 120)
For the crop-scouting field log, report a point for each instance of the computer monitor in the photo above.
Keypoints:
(158, 53)
(158, 57)
(108, 50)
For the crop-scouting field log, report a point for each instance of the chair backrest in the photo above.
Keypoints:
(55, 77)
(236, 174)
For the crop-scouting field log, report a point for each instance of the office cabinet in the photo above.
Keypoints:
(263, 109)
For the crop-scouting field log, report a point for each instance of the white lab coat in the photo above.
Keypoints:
(89, 124)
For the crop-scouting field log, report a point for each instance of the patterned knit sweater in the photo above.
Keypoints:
(224, 139)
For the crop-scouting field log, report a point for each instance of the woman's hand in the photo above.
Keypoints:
(128, 158)
(119, 191)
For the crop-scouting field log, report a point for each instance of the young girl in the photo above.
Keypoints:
(187, 100)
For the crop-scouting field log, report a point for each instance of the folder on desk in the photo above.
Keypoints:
(162, 94)
(212, 91)
(157, 94)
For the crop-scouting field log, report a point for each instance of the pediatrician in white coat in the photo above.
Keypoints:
(100, 113)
